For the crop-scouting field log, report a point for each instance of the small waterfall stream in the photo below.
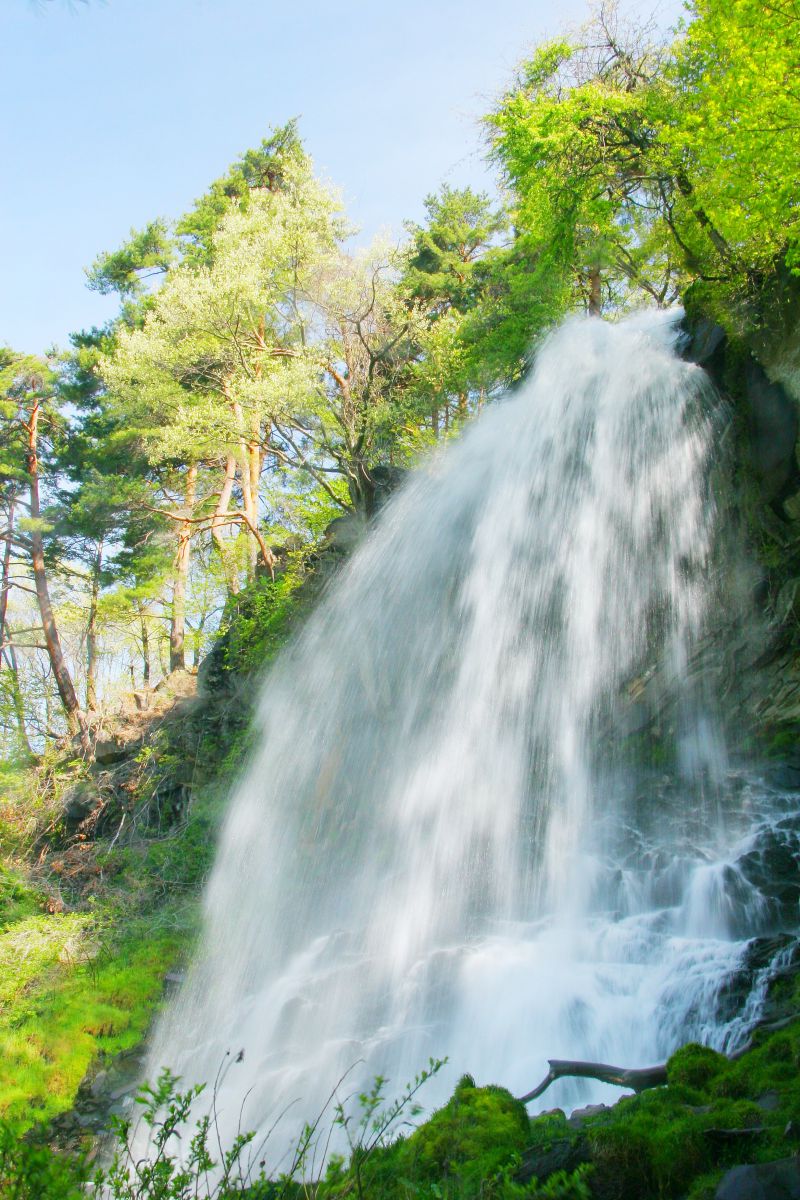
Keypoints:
(446, 842)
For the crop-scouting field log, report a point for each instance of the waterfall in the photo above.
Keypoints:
(448, 841)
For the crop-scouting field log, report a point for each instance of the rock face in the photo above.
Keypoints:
(762, 1181)
(758, 371)
(110, 750)
(771, 414)
(103, 1094)
(773, 431)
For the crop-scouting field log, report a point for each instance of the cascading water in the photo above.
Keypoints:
(444, 844)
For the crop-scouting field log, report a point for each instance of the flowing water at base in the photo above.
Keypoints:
(447, 843)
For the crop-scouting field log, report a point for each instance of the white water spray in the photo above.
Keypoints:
(443, 845)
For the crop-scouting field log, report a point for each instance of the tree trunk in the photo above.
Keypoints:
(254, 455)
(145, 644)
(6, 582)
(638, 1079)
(76, 722)
(247, 484)
(18, 702)
(197, 639)
(595, 292)
(218, 523)
(177, 632)
(91, 632)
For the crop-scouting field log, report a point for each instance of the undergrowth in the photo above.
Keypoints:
(668, 1142)
(90, 922)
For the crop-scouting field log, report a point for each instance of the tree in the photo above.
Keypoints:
(202, 378)
(618, 149)
(27, 386)
(736, 72)
(578, 137)
(445, 272)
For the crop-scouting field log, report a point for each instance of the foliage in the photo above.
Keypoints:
(618, 148)
(735, 68)
(74, 993)
(31, 1171)
(18, 901)
(665, 1142)
(168, 1172)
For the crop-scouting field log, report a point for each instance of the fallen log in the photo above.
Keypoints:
(638, 1079)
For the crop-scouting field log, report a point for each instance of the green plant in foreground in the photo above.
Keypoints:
(33, 1172)
(170, 1172)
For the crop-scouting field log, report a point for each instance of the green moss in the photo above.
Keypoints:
(261, 620)
(694, 1066)
(69, 999)
(468, 1148)
(18, 900)
(468, 1141)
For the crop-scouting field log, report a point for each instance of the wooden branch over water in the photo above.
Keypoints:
(637, 1079)
(640, 1078)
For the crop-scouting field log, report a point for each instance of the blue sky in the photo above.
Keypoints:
(119, 111)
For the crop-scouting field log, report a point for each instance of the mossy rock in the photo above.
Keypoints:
(479, 1132)
(694, 1066)
(623, 1168)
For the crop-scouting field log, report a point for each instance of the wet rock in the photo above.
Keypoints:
(707, 339)
(562, 1154)
(344, 533)
(581, 1115)
(386, 480)
(778, 955)
(772, 867)
(784, 775)
(773, 433)
(762, 1181)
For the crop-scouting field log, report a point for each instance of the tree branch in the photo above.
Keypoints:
(636, 1078)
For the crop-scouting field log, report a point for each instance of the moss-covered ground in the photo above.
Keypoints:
(667, 1142)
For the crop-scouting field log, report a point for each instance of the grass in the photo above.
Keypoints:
(67, 999)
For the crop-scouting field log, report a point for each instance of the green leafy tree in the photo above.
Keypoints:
(579, 140)
(33, 426)
(445, 272)
(640, 167)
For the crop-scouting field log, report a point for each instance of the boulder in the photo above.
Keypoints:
(778, 1180)
(109, 750)
(344, 533)
(562, 1154)
(80, 801)
(706, 338)
(581, 1115)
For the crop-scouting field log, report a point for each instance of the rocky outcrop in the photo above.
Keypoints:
(762, 1181)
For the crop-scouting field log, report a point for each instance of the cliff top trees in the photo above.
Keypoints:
(578, 138)
(620, 151)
